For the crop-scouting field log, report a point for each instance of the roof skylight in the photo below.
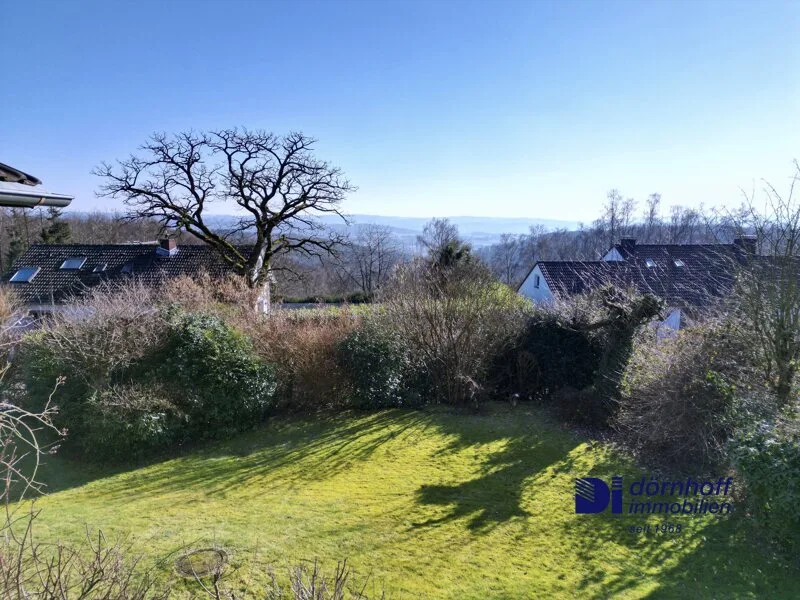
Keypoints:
(679, 263)
(73, 263)
(650, 263)
(25, 275)
(99, 268)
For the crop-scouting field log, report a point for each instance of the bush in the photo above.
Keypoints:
(455, 318)
(683, 397)
(96, 347)
(352, 298)
(572, 353)
(124, 421)
(10, 314)
(547, 356)
(380, 367)
(767, 460)
(215, 377)
(302, 345)
(138, 377)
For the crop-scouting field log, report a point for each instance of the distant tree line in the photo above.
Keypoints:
(512, 258)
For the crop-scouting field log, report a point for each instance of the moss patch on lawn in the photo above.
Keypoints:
(427, 504)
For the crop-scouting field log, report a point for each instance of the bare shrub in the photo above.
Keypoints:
(683, 397)
(9, 303)
(95, 570)
(104, 331)
(303, 346)
(206, 293)
(305, 582)
(10, 315)
(456, 317)
(767, 297)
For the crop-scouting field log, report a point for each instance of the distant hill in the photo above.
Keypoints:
(478, 231)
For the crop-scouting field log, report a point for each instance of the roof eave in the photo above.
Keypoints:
(33, 199)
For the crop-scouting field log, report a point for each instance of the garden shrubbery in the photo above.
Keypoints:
(302, 345)
(684, 397)
(572, 354)
(455, 319)
(217, 381)
(381, 368)
(138, 376)
(767, 459)
(150, 369)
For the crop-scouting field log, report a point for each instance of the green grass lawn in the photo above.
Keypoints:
(429, 504)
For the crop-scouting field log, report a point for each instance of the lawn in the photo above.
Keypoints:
(428, 504)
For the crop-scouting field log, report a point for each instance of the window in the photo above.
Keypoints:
(99, 268)
(679, 263)
(127, 268)
(650, 263)
(536, 281)
(74, 263)
(25, 275)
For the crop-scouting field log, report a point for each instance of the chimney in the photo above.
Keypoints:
(626, 246)
(746, 243)
(167, 247)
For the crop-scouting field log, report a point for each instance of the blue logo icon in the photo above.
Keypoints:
(592, 495)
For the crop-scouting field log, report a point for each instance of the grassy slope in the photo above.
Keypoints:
(433, 504)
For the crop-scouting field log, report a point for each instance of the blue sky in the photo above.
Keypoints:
(529, 109)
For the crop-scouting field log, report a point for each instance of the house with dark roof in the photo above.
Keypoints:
(688, 277)
(47, 276)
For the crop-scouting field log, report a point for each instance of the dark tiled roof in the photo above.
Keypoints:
(690, 275)
(55, 285)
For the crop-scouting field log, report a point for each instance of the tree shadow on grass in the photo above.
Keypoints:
(495, 496)
(732, 560)
(324, 446)
(713, 557)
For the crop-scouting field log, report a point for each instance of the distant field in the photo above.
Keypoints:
(430, 504)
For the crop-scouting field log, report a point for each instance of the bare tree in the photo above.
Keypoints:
(652, 219)
(685, 225)
(505, 259)
(442, 244)
(369, 258)
(617, 216)
(276, 180)
(768, 298)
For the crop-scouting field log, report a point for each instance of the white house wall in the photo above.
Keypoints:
(613, 255)
(539, 295)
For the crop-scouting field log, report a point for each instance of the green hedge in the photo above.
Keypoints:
(380, 368)
(768, 463)
(214, 376)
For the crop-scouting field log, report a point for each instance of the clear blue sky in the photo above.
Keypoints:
(432, 108)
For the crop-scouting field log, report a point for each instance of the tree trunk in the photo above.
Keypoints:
(263, 302)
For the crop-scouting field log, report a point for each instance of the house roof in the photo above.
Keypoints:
(9, 173)
(682, 274)
(53, 284)
(20, 189)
